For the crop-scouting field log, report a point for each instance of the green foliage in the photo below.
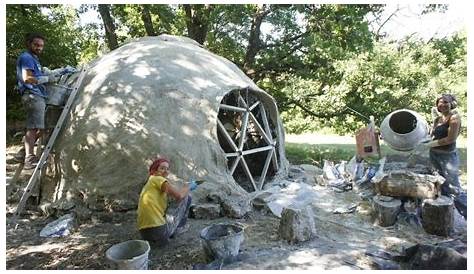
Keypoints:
(321, 62)
(379, 81)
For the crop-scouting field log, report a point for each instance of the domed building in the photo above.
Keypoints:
(166, 96)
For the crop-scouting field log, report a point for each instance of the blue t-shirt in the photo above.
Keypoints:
(26, 61)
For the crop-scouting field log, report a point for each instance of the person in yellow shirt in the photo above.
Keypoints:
(157, 222)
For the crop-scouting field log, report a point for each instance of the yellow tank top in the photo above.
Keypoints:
(152, 204)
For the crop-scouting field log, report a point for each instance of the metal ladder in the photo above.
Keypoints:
(44, 156)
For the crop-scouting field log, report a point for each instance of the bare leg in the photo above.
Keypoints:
(30, 139)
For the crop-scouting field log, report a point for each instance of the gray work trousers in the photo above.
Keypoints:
(176, 216)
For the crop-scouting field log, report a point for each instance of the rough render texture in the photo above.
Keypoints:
(155, 95)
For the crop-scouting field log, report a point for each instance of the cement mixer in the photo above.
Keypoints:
(404, 129)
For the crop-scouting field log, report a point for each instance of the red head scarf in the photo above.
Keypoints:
(156, 163)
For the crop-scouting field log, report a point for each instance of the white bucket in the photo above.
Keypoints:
(131, 254)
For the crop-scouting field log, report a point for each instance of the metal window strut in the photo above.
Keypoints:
(238, 150)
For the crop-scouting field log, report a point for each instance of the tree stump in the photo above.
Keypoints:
(438, 216)
(386, 209)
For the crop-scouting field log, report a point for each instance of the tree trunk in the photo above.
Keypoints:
(254, 42)
(438, 216)
(386, 209)
(197, 21)
(146, 17)
(104, 11)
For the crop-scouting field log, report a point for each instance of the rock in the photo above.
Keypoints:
(216, 196)
(206, 211)
(401, 183)
(295, 172)
(431, 257)
(235, 206)
(82, 213)
(311, 174)
(297, 225)
(381, 264)
(260, 202)
(310, 169)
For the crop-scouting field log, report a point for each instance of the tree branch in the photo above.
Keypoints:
(318, 115)
(377, 35)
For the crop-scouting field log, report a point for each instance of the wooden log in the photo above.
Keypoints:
(401, 183)
(386, 209)
(438, 215)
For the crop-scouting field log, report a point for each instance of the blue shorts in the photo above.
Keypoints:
(35, 107)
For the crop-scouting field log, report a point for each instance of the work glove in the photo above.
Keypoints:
(56, 72)
(46, 71)
(192, 185)
(68, 69)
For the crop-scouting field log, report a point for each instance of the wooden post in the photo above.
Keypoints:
(386, 209)
(438, 215)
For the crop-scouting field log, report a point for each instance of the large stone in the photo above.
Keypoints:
(236, 206)
(434, 257)
(313, 170)
(297, 225)
(402, 183)
(295, 172)
(206, 211)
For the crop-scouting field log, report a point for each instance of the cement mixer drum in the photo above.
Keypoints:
(403, 129)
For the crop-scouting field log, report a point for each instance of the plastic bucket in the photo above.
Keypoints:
(57, 94)
(221, 241)
(131, 254)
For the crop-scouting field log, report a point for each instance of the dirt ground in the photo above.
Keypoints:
(341, 242)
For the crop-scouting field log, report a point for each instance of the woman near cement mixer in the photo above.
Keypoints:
(443, 153)
(156, 220)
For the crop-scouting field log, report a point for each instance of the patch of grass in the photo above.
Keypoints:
(316, 154)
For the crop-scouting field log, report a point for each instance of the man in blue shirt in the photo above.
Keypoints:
(31, 80)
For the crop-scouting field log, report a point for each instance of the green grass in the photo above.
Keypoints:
(316, 154)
